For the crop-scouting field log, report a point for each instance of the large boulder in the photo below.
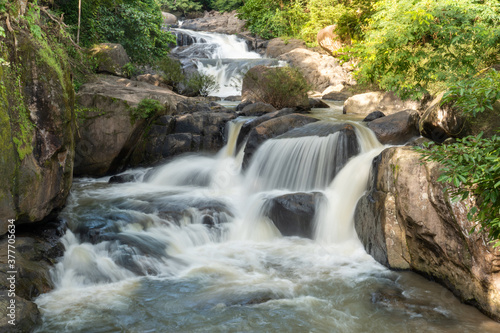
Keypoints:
(37, 130)
(293, 214)
(265, 84)
(108, 130)
(224, 23)
(278, 46)
(257, 109)
(406, 221)
(110, 58)
(321, 71)
(272, 128)
(397, 128)
(328, 39)
(386, 102)
(169, 19)
(169, 136)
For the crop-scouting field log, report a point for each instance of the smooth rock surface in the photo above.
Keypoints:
(386, 102)
(397, 128)
(405, 221)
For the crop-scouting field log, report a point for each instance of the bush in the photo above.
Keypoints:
(172, 72)
(134, 24)
(183, 6)
(471, 166)
(201, 84)
(415, 47)
(147, 108)
(280, 86)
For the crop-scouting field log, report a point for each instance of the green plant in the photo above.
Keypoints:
(147, 108)
(475, 95)
(202, 84)
(471, 166)
(415, 47)
(184, 6)
(280, 86)
(172, 72)
(129, 69)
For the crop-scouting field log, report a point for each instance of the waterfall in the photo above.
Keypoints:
(225, 57)
(189, 246)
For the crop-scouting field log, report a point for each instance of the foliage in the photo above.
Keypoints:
(471, 166)
(172, 72)
(414, 47)
(201, 84)
(129, 69)
(183, 6)
(147, 108)
(475, 95)
(226, 5)
(134, 24)
(279, 86)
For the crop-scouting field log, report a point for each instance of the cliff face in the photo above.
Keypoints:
(406, 221)
(37, 125)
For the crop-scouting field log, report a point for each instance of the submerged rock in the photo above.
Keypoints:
(293, 214)
(406, 221)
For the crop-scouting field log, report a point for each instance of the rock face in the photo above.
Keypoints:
(224, 23)
(169, 19)
(321, 71)
(397, 128)
(405, 221)
(174, 135)
(278, 46)
(260, 85)
(440, 122)
(36, 251)
(37, 128)
(328, 39)
(293, 214)
(110, 58)
(107, 130)
(386, 102)
(272, 128)
(257, 109)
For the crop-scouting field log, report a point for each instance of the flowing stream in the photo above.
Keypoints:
(188, 247)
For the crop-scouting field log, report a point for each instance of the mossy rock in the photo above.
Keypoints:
(110, 58)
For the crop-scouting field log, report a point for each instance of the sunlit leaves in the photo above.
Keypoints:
(471, 166)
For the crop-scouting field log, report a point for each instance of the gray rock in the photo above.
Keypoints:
(257, 109)
(386, 102)
(110, 58)
(397, 128)
(374, 115)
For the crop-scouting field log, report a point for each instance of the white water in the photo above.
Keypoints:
(225, 57)
(140, 259)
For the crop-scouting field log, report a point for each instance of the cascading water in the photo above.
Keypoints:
(187, 248)
(225, 57)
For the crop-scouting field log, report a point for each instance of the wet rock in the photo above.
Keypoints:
(173, 135)
(406, 221)
(317, 103)
(374, 115)
(252, 123)
(397, 128)
(192, 106)
(242, 105)
(123, 178)
(293, 214)
(386, 102)
(278, 46)
(26, 314)
(336, 96)
(272, 128)
(257, 109)
(110, 58)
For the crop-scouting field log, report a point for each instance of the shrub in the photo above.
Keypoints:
(471, 166)
(201, 84)
(147, 108)
(172, 72)
(280, 86)
(415, 47)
